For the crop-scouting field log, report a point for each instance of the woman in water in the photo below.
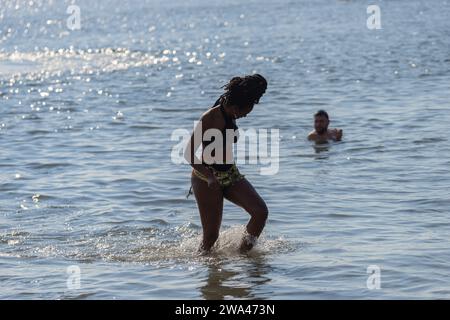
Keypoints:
(214, 180)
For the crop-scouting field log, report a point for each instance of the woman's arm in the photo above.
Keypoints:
(206, 122)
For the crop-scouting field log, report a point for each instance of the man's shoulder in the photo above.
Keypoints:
(312, 135)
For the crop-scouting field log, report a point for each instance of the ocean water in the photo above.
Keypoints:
(86, 177)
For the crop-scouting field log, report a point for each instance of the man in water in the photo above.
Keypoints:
(321, 133)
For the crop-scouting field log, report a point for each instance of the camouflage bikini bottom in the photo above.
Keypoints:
(225, 178)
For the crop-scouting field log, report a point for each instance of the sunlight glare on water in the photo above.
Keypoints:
(86, 176)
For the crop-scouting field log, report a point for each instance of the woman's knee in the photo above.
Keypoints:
(260, 212)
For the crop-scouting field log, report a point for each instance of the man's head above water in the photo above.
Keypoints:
(321, 131)
(321, 121)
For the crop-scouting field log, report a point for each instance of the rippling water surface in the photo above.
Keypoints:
(86, 177)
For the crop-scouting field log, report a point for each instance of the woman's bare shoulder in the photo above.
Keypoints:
(212, 118)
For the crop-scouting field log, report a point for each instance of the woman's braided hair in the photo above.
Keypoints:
(243, 91)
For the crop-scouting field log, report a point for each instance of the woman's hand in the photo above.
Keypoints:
(212, 181)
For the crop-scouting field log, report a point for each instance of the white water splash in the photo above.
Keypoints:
(149, 245)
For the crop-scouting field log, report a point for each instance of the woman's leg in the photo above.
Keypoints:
(244, 195)
(210, 206)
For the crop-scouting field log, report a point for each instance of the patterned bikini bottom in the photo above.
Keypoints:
(225, 178)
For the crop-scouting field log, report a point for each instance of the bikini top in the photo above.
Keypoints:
(229, 124)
